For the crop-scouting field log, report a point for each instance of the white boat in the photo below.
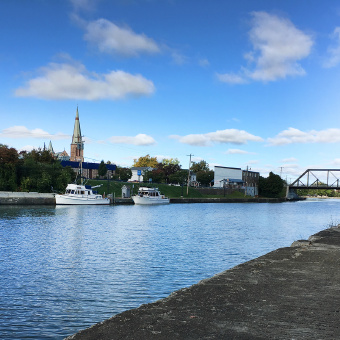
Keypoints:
(150, 196)
(81, 195)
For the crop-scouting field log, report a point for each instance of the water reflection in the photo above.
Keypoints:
(64, 268)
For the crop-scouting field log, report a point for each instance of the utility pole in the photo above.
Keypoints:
(281, 167)
(189, 174)
(245, 191)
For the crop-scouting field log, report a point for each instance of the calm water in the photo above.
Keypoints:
(63, 269)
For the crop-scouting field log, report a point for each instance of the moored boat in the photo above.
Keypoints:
(81, 195)
(150, 196)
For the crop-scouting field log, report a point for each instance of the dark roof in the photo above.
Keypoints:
(87, 165)
(226, 167)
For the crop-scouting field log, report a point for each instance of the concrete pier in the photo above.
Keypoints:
(290, 293)
(26, 198)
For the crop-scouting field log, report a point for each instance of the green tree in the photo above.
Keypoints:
(9, 160)
(34, 171)
(123, 174)
(146, 161)
(156, 175)
(179, 177)
(168, 169)
(199, 166)
(205, 177)
(271, 186)
(102, 170)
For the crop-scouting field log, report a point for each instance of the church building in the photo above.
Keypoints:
(77, 145)
(76, 161)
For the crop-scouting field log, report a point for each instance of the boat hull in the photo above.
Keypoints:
(69, 200)
(150, 200)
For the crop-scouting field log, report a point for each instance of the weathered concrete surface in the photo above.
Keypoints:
(290, 293)
(26, 198)
(227, 200)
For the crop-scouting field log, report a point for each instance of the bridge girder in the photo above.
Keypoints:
(330, 180)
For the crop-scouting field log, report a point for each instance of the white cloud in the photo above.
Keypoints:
(204, 62)
(178, 59)
(231, 78)
(289, 160)
(82, 4)
(24, 132)
(73, 81)
(140, 139)
(238, 152)
(232, 136)
(112, 39)
(336, 162)
(254, 161)
(334, 51)
(293, 135)
(27, 148)
(277, 47)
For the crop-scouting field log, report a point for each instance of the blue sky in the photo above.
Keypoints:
(236, 83)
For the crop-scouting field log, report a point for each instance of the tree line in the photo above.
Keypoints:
(36, 170)
(170, 171)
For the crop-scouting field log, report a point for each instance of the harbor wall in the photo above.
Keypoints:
(26, 198)
(289, 293)
(34, 198)
(227, 200)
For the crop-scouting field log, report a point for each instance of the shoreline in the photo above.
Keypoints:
(288, 293)
(34, 198)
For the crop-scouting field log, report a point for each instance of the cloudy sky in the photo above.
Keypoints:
(236, 83)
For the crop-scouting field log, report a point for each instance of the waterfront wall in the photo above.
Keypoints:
(34, 198)
(26, 198)
(227, 200)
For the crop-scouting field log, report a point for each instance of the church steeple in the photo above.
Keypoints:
(77, 145)
(76, 138)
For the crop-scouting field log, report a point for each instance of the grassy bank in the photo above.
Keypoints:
(109, 187)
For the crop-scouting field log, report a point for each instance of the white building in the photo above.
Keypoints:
(225, 175)
(138, 173)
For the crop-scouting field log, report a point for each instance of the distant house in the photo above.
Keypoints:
(251, 182)
(192, 179)
(138, 173)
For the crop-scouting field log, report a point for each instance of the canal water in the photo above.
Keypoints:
(63, 269)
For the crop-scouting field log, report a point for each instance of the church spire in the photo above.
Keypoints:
(77, 145)
(76, 138)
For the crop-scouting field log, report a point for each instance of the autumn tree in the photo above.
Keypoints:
(156, 175)
(168, 161)
(146, 161)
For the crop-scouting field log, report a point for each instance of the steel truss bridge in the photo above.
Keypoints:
(318, 179)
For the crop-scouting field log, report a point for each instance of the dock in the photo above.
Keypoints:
(289, 293)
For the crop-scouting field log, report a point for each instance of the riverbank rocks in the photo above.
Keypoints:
(289, 293)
